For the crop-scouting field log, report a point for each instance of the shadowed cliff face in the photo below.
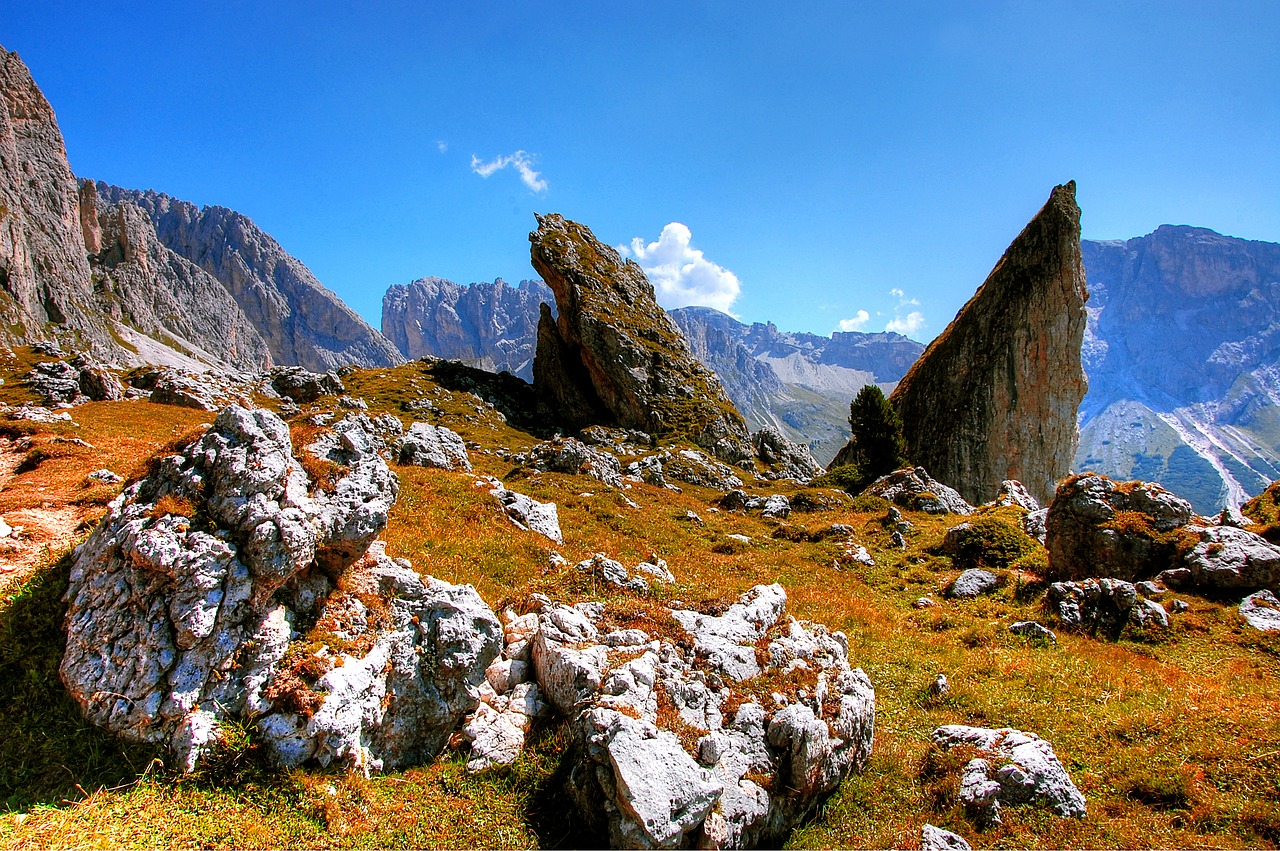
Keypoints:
(995, 396)
(614, 355)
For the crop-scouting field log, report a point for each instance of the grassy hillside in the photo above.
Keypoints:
(1173, 738)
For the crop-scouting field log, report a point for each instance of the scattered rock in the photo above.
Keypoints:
(913, 488)
(1034, 524)
(685, 465)
(566, 455)
(528, 513)
(923, 603)
(940, 687)
(1231, 516)
(1029, 771)
(974, 583)
(432, 446)
(1262, 611)
(105, 476)
(1010, 412)
(1033, 631)
(936, 839)
(1085, 539)
(615, 574)
(1012, 492)
(1230, 558)
(182, 606)
(303, 386)
(649, 788)
(1179, 606)
(38, 414)
(1103, 606)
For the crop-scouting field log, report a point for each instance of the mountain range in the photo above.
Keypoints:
(1197, 409)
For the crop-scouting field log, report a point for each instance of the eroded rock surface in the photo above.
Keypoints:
(426, 445)
(995, 396)
(914, 488)
(613, 356)
(755, 771)
(183, 607)
(786, 459)
(1016, 768)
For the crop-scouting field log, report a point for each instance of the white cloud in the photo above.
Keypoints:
(896, 293)
(901, 296)
(909, 325)
(857, 323)
(442, 145)
(681, 275)
(522, 162)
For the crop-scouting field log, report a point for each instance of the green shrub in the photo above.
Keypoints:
(846, 477)
(992, 542)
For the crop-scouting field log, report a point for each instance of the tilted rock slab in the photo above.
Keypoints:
(994, 397)
(626, 691)
(914, 488)
(183, 602)
(613, 356)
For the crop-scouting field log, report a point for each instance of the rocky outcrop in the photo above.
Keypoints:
(426, 445)
(302, 323)
(994, 397)
(1014, 768)
(915, 489)
(1104, 607)
(183, 606)
(613, 356)
(1181, 346)
(1137, 530)
(492, 326)
(785, 459)
(748, 766)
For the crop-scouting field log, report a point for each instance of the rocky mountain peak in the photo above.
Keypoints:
(995, 396)
(613, 355)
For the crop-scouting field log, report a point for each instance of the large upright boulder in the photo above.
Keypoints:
(613, 356)
(233, 587)
(994, 397)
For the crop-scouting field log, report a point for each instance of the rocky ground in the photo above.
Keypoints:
(999, 714)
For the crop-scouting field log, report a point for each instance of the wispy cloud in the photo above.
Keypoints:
(442, 145)
(521, 161)
(680, 274)
(857, 323)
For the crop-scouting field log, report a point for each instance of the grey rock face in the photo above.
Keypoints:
(180, 603)
(433, 446)
(1013, 493)
(635, 779)
(1029, 771)
(1262, 611)
(490, 326)
(974, 583)
(302, 323)
(43, 269)
(1010, 411)
(64, 383)
(914, 488)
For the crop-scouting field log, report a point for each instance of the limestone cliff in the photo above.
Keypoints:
(303, 323)
(995, 396)
(491, 326)
(614, 356)
(45, 287)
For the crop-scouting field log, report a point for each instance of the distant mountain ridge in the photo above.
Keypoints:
(1183, 355)
(140, 277)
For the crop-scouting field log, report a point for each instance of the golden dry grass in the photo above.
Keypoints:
(1173, 738)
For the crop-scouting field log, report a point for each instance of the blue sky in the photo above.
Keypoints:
(837, 162)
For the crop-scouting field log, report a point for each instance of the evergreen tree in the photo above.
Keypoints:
(878, 444)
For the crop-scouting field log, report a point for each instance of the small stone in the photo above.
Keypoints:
(1033, 631)
(936, 839)
(1261, 611)
(923, 603)
(940, 686)
(973, 583)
